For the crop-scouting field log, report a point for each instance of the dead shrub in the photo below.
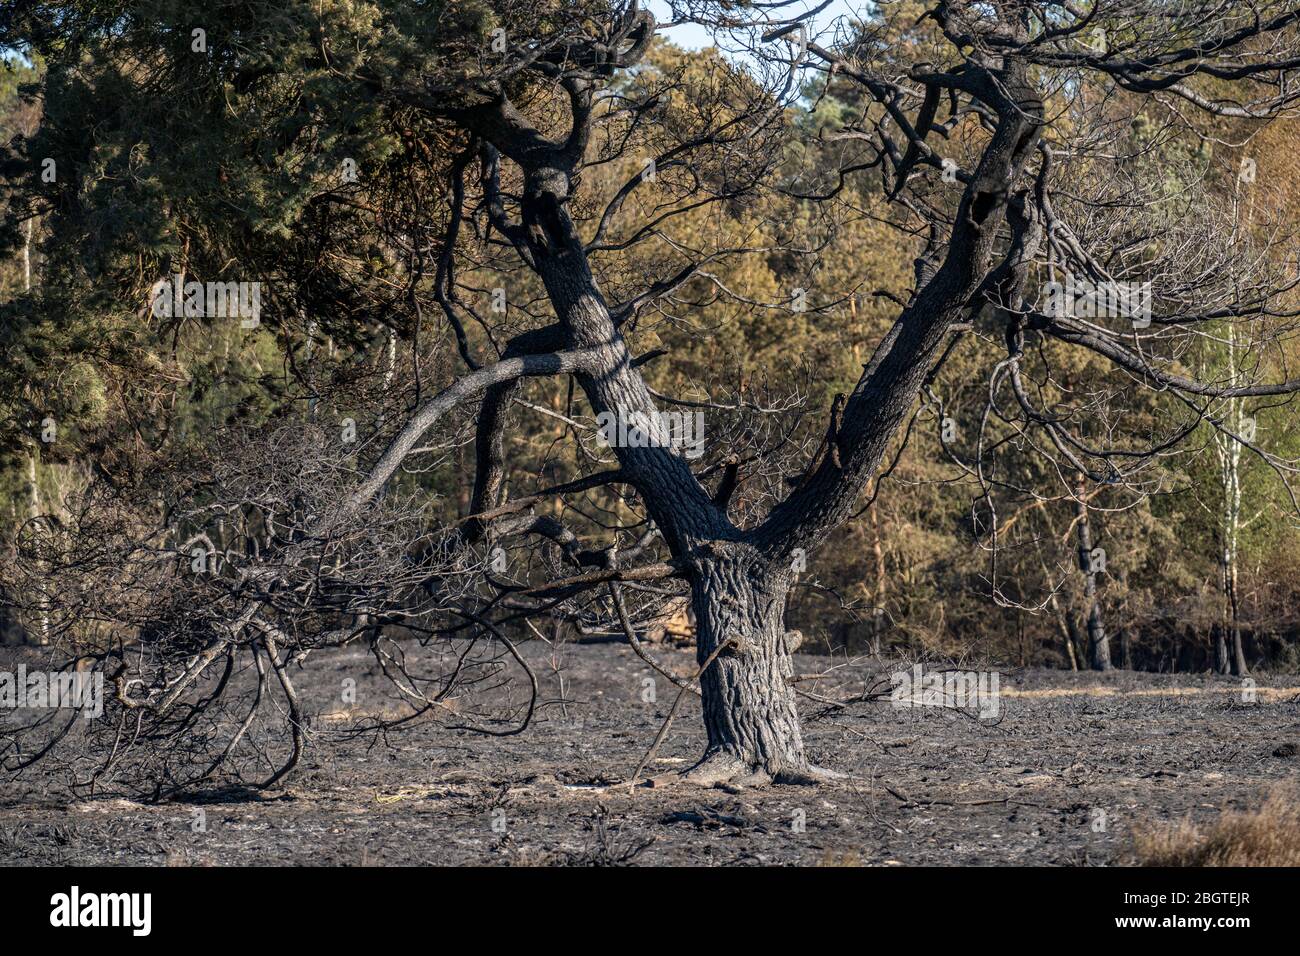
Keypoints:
(1267, 836)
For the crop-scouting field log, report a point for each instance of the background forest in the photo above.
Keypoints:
(1194, 570)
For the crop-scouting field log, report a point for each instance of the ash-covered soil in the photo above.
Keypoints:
(1074, 763)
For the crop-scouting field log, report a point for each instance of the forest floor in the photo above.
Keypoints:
(1071, 767)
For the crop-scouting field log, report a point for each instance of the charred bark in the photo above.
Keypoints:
(748, 699)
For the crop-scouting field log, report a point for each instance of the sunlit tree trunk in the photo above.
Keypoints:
(1230, 652)
(1098, 642)
(27, 256)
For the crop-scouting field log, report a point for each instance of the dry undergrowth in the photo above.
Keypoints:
(1268, 836)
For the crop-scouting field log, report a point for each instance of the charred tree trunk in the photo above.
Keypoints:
(1221, 663)
(748, 699)
(737, 596)
(1234, 611)
(1230, 657)
(1098, 642)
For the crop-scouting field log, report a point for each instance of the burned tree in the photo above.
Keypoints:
(1034, 147)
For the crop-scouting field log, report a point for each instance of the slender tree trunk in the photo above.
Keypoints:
(1079, 643)
(1221, 663)
(1238, 654)
(1064, 627)
(1231, 627)
(42, 634)
(1125, 625)
(878, 597)
(27, 256)
(1064, 621)
(1098, 643)
(1069, 641)
(1229, 449)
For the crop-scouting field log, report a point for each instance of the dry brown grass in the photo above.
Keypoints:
(1268, 836)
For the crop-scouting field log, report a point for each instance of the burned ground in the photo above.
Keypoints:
(1072, 766)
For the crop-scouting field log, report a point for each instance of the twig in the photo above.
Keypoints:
(672, 711)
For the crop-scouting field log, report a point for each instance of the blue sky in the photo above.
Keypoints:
(694, 37)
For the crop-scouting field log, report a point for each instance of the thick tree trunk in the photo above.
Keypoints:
(748, 700)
